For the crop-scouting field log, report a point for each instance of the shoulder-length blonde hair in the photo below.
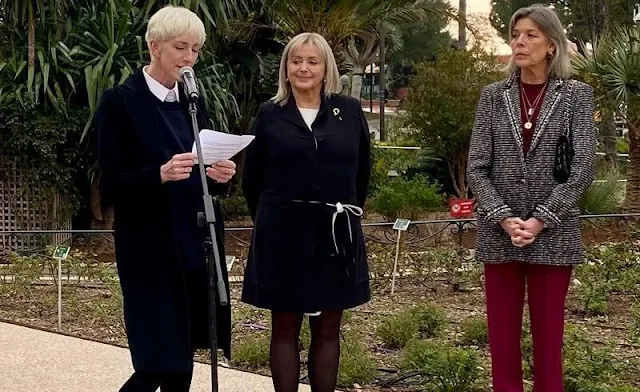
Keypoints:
(331, 77)
(549, 23)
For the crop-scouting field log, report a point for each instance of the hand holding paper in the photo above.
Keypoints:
(218, 146)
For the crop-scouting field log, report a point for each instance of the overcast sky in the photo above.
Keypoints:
(481, 8)
(475, 5)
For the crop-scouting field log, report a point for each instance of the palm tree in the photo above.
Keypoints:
(361, 52)
(44, 21)
(30, 12)
(462, 24)
(339, 20)
(615, 67)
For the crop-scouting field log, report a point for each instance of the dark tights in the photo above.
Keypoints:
(148, 381)
(324, 353)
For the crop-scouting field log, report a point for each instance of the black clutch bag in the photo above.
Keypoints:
(564, 145)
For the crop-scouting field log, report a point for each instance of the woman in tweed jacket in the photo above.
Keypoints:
(528, 233)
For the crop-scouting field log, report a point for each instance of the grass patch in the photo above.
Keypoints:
(252, 351)
(356, 363)
(443, 368)
(474, 331)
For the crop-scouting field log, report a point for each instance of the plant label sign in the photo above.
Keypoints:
(401, 224)
(460, 207)
(61, 252)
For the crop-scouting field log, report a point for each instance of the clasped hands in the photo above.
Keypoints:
(522, 232)
(179, 167)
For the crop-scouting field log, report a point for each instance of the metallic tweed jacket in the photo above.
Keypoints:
(508, 184)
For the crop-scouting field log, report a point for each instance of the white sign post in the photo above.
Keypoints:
(400, 225)
(61, 252)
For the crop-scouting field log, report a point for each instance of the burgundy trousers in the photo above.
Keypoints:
(547, 287)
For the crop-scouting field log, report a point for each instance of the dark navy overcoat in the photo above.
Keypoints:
(157, 239)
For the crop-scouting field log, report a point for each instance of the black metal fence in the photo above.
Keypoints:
(446, 238)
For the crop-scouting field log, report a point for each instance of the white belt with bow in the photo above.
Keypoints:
(340, 208)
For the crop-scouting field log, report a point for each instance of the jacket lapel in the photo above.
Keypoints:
(291, 114)
(549, 104)
(511, 96)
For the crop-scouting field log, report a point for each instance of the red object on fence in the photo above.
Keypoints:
(460, 207)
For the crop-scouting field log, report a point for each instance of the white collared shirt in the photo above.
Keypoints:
(157, 88)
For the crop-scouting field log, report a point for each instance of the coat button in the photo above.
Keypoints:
(523, 181)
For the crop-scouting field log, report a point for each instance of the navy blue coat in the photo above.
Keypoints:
(293, 265)
(165, 303)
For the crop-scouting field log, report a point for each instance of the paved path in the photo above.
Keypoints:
(37, 361)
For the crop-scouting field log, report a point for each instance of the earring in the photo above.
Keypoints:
(324, 80)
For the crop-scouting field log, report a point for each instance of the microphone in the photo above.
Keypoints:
(190, 85)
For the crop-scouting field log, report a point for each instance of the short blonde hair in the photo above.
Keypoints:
(332, 83)
(549, 23)
(170, 22)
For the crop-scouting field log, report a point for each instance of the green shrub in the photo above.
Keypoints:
(622, 145)
(609, 268)
(397, 330)
(44, 146)
(356, 363)
(385, 159)
(603, 197)
(234, 207)
(252, 351)
(592, 297)
(422, 321)
(613, 265)
(401, 198)
(430, 319)
(442, 367)
(588, 368)
(474, 331)
(398, 133)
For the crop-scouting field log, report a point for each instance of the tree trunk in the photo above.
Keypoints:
(461, 165)
(632, 197)
(31, 35)
(609, 139)
(601, 16)
(356, 82)
(462, 25)
(458, 173)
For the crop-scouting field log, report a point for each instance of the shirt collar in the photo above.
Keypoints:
(157, 88)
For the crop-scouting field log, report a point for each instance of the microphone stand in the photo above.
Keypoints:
(211, 252)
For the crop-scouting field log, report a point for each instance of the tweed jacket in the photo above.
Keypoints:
(506, 183)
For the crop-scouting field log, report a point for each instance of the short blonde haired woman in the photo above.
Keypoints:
(305, 180)
(148, 175)
(532, 156)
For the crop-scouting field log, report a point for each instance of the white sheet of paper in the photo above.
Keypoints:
(218, 146)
